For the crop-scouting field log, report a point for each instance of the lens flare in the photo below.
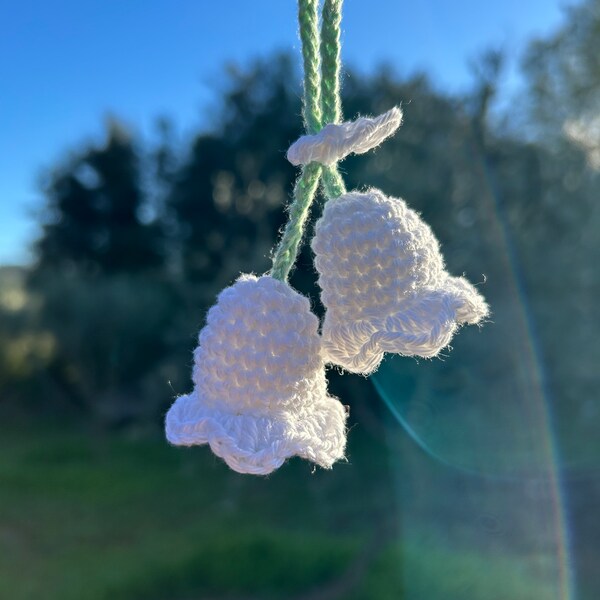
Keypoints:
(505, 434)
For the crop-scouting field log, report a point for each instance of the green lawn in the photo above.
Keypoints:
(83, 517)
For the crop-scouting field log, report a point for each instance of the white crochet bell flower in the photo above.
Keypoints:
(384, 283)
(260, 393)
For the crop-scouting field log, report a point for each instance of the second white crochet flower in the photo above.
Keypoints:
(260, 393)
(384, 283)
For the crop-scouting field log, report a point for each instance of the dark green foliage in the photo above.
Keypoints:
(563, 70)
(112, 335)
(563, 249)
(228, 196)
(93, 220)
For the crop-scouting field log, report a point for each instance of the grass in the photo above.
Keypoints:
(85, 517)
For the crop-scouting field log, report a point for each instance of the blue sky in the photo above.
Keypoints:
(66, 64)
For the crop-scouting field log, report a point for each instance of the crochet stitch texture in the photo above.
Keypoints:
(384, 283)
(336, 141)
(260, 392)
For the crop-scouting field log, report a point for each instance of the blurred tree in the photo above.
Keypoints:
(563, 71)
(228, 195)
(96, 218)
(105, 302)
(563, 89)
(111, 337)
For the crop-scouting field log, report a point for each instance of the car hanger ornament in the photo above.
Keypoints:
(260, 390)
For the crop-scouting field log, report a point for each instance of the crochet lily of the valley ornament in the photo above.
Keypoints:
(260, 390)
(384, 283)
(260, 394)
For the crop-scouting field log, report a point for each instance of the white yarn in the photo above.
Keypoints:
(336, 141)
(384, 283)
(260, 393)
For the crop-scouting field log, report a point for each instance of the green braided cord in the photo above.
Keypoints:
(330, 61)
(321, 105)
(304, 192)
(309, 36)
(306, 186)
(333, 184)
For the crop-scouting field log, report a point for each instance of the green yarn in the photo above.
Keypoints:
(333, 184)
(330, 61)
(306, 186)
(309, 36)
(321, 104)
(304, 192)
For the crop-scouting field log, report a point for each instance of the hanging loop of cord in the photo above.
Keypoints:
(307, 184)
(321, 105)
